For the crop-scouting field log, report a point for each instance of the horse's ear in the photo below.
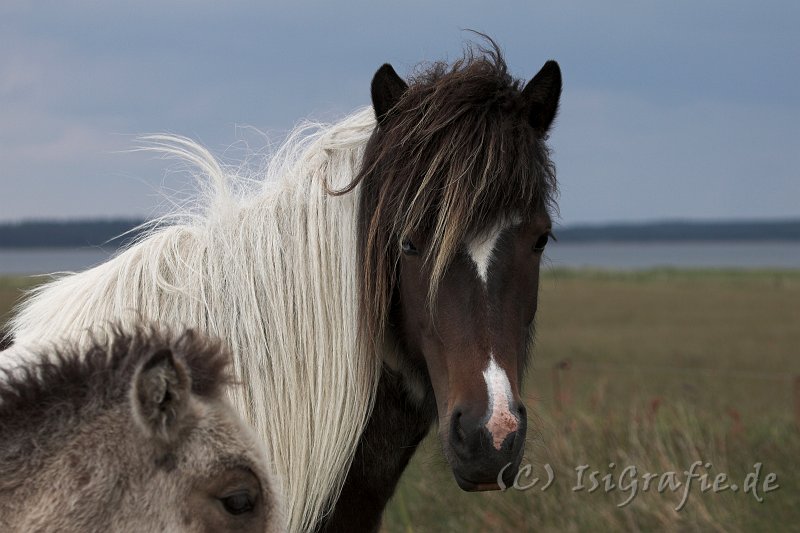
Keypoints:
(387, 88)
(541, 96)
(160, 395)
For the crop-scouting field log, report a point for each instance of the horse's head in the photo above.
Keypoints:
(456, 187)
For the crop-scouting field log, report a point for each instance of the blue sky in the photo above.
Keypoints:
(670, 110)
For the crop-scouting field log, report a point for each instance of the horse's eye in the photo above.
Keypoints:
(409, 248)
(238, 502)
(541, 243)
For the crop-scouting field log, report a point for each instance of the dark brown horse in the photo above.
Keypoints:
(456, 186)
(352, 346)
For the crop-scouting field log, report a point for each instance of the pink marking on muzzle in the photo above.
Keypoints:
(502, 421)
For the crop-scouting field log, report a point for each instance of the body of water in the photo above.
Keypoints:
(49, 260)
(611, 255)
(642, 255)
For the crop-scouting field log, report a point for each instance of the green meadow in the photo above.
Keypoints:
(11, 291)
(651, 370)
(637, 375)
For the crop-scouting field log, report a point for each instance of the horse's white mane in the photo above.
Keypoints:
(270, 268)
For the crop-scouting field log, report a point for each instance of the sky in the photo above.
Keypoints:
(670, 110)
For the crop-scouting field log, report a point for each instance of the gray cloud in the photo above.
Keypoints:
(669, 110)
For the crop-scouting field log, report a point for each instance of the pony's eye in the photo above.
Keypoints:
(238, 502)
(409, 248)
(541, 243)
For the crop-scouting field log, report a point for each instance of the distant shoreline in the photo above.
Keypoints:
(50, 234)
(112, 233)
(630, 255)
(684, 231)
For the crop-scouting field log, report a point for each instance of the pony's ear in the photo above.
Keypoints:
(160, 395)
(387, 88)
(541, 96)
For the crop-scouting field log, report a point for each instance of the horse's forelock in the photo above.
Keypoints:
(454, 156)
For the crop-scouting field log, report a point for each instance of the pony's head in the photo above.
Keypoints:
(133, 433)
(456, 187)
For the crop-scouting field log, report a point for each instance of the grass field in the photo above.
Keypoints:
(11, 290)
(665, 368)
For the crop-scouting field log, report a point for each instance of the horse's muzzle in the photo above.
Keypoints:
(478, 456)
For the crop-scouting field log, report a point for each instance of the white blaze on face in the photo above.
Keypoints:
(481, 247)
(500, 420)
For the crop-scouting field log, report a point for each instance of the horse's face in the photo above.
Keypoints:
(456, 184)
(474, 339)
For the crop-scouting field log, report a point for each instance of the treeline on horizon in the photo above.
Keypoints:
(116, 232)
(675, 231)
(111, 233)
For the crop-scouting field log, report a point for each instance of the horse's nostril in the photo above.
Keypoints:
(523, 413)
(456, 430)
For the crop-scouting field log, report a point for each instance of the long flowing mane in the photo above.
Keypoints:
(269, 266)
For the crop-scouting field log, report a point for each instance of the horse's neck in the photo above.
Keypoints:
(399, 422)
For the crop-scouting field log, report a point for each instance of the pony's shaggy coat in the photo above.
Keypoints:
(58, 381)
